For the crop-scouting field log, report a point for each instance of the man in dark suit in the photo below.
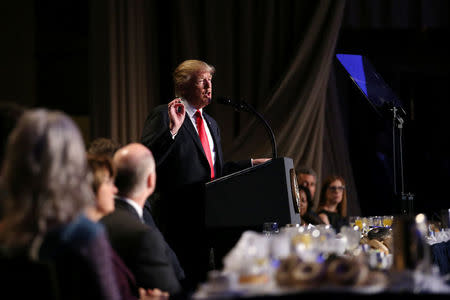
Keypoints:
(140, 246)
(187, 148)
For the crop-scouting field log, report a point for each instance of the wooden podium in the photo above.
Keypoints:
(245, 200)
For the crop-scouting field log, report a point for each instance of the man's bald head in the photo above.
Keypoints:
(134, 163)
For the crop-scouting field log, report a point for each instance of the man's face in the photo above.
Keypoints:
(199, 93)
(309, 181)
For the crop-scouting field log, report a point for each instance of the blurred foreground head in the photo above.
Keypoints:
(45, 174)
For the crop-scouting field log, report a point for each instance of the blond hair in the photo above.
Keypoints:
(184, 72)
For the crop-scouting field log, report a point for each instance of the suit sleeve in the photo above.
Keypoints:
(156, 134)
(153, 269)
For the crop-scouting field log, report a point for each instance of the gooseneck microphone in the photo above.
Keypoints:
(244, 106)
(238, 106)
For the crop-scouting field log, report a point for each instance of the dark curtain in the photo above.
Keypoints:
(396, 14)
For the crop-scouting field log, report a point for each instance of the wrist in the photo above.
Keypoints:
(173, 133)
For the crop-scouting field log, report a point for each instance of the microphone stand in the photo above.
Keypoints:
(406, 198)
(247, 107)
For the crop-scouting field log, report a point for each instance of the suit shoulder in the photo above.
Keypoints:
(209, 117)
(121, 218)
(211, 121)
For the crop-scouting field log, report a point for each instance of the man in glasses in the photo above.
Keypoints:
(307, 177)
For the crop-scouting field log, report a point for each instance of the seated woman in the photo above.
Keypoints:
(105, 190)
(332, 207)
(307, 215)
(48, 186)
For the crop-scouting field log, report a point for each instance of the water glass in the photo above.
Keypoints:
(377, 221)
(359, 223)
(270, 228)
(387, 221)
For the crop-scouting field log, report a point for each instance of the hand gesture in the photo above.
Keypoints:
(176, 115)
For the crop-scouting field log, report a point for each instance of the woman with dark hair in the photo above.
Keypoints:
(307, 215)
(48, 185)
(332, 207)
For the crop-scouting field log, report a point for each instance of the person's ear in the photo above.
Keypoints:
(151, 181)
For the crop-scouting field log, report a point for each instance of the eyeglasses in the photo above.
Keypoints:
(336, 188)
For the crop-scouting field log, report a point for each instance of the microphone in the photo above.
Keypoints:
(239, 106)
(244, 106)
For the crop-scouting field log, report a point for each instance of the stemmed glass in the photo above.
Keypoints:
(270, 228)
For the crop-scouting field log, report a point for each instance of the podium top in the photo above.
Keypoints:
(247, 170)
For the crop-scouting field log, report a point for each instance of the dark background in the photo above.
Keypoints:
(422, 87)
(45, 61)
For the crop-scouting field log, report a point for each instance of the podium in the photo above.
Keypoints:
(248, 198)
(245, 200)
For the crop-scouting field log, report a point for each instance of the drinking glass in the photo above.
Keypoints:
(358, 222)
(377, 221)
(270, 228)
(387, 221)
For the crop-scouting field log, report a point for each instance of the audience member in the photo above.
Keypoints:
(307, 177)
(332, 207)
(48, 187)
(140, 246)
(307, 214)
(104, 190)
(106, 146)
(103, 146)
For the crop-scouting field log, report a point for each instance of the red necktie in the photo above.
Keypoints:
(204, 140)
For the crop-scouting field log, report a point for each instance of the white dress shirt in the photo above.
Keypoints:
(136, 206)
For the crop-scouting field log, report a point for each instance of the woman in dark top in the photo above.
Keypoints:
(307, 215)
(48, 186)
(332, 207)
